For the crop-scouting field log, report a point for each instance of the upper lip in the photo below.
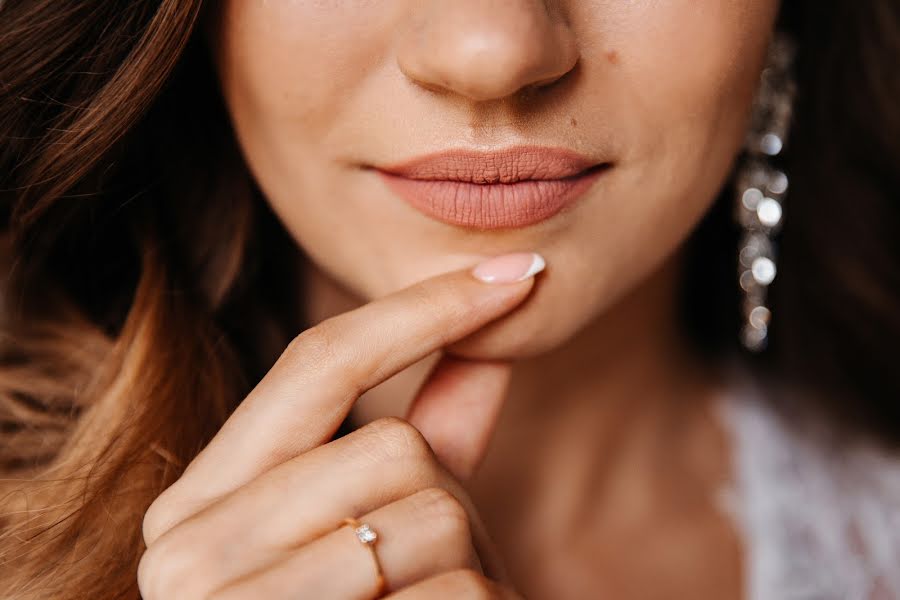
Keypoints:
(505, 166)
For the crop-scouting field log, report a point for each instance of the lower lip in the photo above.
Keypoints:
(492, 206)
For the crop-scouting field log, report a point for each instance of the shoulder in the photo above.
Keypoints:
(819, 519)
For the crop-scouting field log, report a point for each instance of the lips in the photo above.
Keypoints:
(515, 187)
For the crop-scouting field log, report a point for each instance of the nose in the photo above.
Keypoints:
(486, 49)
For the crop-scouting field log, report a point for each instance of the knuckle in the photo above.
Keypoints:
(153, 522)
(446, 513)
(145, 574)
(315, 343)
(425, 297)
(155, 574)
(320, 352)
(441, 296)
(400, 438)
(326, 352)
(171, 569)
(448, 525)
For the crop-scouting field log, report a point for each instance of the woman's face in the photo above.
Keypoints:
(328, 96)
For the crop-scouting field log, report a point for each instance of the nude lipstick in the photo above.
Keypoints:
(515, 187)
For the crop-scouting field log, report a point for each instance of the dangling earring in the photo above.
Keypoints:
(761, 189)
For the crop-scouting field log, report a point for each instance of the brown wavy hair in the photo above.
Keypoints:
(137, 305)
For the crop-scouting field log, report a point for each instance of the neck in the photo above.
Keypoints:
(606, 435)
(611, 421)
(629, 360)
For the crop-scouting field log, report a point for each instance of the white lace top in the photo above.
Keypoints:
(819, 523)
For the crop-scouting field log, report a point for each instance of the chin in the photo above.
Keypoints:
(532, 329)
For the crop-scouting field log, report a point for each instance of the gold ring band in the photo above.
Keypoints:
(367, 536)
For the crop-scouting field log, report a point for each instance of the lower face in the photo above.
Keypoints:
(326, 97)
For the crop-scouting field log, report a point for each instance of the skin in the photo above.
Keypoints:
(263, 524)
(483, 407)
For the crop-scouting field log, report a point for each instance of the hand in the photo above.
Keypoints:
(257, 513)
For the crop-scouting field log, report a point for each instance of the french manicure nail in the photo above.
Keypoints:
(509, 268)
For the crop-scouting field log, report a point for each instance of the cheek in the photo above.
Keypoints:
(676, 80)
(683, 82)
(687, 73)
(291, 73)
(294, 65)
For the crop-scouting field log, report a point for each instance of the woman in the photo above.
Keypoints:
(248, 352)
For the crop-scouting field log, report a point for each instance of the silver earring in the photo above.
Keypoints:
(761, 187)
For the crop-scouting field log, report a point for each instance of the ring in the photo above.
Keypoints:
(367, 536)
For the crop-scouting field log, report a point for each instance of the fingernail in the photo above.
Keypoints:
(509, 268)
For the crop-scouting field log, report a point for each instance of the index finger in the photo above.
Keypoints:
(309, 391)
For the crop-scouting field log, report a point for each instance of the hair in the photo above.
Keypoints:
(134, 319)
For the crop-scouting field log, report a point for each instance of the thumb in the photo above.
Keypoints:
(457, 408)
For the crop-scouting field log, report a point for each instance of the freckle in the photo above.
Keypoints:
(574, 122)
(613, 57)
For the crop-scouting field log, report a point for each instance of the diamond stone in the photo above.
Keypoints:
(365, 534)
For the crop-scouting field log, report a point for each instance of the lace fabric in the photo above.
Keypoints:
(819, 522)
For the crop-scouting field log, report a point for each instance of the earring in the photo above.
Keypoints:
(760, 189)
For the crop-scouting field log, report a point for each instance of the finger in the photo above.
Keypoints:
(462, 583)
(417, 536)
(302, 400)
(299, 501)
(456, 409)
